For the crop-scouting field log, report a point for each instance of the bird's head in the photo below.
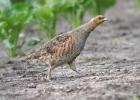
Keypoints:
(98, 19)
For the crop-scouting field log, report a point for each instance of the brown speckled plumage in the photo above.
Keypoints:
(64, 48)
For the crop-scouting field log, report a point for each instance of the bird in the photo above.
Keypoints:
(64, 48)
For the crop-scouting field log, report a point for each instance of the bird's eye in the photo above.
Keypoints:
(100, 18)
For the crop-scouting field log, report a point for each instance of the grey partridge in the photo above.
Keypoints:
(64, 48)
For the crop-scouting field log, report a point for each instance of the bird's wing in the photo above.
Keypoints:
(57, 46)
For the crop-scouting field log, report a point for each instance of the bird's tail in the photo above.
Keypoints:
(26, 58)
(19, 59)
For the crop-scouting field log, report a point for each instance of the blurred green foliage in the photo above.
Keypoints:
(32, 41)
(135, 97)
(15, 14)
(137, 2)
(12, 21)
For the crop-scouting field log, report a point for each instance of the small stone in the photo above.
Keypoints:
(32, 85)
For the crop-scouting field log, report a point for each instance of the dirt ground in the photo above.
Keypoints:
(109, 66)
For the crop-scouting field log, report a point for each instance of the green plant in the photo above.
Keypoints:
(14, 14)
(102, 5)
(137, 3)
(46, 17)
(75, 9)
(4, 4)
(12, 21)
(32, 41)
(46, 13)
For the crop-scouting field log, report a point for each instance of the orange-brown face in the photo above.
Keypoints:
(99, 19)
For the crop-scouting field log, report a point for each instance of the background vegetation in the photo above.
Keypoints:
(16, 14)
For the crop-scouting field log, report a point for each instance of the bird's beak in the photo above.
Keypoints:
(105, 19)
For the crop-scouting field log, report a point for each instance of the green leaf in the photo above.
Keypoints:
(8, 44)
(4, 4)
(32, 41)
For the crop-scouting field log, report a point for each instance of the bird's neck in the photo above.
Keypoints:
(84, 30)
(81, 34)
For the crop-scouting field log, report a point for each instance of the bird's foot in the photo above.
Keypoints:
(77, 72)
(46, 79)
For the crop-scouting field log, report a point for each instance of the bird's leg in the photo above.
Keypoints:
(49, 72)
(73, 67)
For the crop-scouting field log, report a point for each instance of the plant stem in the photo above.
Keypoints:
(51, 28)
(12, 52)
(98, 6)
(76, 19)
